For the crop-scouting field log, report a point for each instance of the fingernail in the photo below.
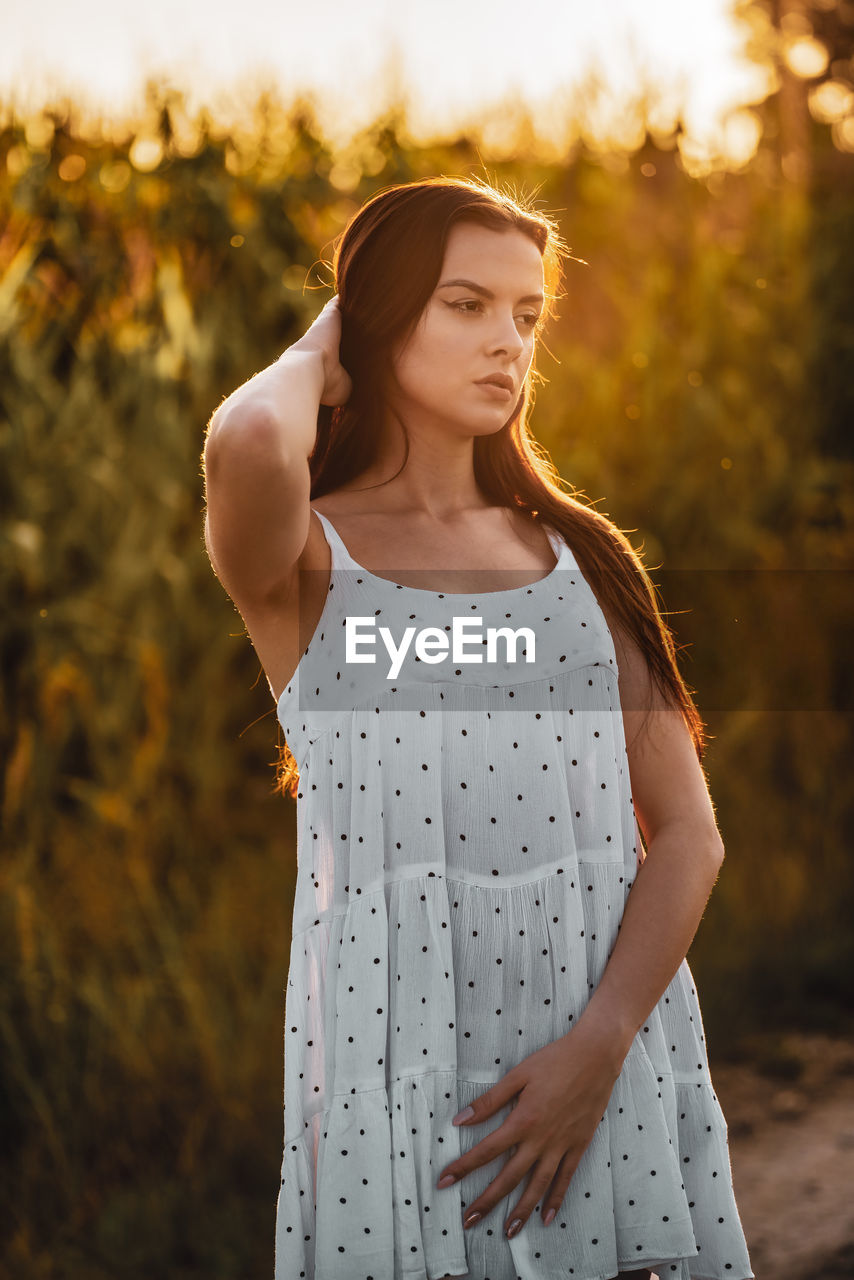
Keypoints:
(549, 1216)
(445, 1181)
(514, 1227)
(463, 1115)
(471, 1219)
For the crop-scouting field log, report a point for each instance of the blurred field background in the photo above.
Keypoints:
(700, 388)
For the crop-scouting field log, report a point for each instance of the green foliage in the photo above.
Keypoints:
(149, 869)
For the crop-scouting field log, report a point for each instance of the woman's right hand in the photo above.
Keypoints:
(324, 336)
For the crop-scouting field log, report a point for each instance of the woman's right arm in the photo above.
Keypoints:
(255, 462)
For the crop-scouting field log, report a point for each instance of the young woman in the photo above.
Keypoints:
(505, 845)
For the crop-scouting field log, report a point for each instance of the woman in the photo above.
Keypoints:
(470, 816)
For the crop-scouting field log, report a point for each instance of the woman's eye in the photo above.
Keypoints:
(530, 320)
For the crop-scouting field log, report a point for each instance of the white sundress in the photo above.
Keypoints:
(466, 841)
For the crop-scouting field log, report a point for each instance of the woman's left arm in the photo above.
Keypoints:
(684, 855)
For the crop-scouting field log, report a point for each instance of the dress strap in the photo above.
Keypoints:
(565, 555)
(556, 542)
(341, 558)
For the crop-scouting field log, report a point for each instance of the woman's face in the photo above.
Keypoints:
(470, 331)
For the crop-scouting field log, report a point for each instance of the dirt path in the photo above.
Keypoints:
(792, 1147)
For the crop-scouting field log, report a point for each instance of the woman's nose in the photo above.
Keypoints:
(506, 337)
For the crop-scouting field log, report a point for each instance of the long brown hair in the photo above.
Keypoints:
(386, 266)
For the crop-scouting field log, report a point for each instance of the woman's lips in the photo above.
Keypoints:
(492, 389)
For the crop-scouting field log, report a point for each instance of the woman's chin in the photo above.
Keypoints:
(482, 429)
(489, 424)
(486, 422)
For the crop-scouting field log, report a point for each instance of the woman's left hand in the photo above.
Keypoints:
(563, 1092)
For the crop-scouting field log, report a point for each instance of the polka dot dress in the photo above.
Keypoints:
(466, 844)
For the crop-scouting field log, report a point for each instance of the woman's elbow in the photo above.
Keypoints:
(717, 852)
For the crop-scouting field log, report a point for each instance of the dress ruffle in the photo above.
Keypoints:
(379, 1147)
